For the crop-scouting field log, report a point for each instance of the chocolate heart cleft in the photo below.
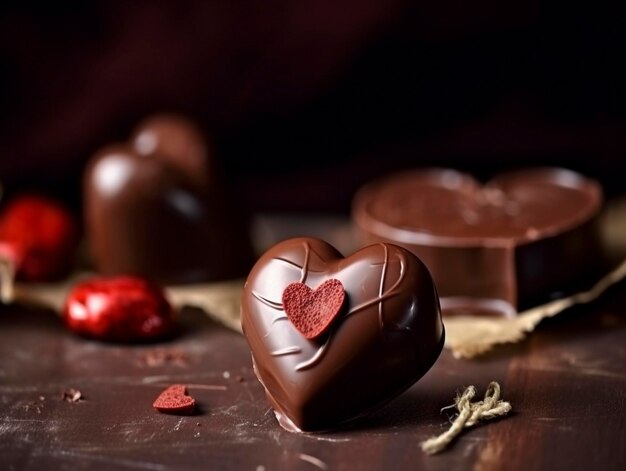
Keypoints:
(375, 341)
(156, 207)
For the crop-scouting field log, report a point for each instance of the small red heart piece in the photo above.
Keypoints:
(313, 311)
(174, 400)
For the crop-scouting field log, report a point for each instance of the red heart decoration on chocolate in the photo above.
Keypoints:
(174, 400)
(313, 311)
(386, 336)
(154, 208)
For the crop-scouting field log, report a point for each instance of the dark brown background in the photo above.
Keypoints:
(307, 100)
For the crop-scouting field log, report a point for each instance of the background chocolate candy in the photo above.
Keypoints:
(492, 248)
(155, 207)
(178, 141)
(388, 335)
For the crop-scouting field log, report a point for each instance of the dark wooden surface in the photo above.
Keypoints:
(566, 382)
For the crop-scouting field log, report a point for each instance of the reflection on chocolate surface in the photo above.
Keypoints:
(155, 208)
(520, 237)
(175, 140)
(389, 332)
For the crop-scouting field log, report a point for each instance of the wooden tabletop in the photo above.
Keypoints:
(566, 382)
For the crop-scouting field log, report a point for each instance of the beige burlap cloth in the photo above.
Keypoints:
(466, 336)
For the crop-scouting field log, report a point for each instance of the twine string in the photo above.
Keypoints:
(469, 414)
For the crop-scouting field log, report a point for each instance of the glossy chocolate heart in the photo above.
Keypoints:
(515, 240)
(154, 208)
(387, 336)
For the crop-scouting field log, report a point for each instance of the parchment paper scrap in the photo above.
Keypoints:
(466, 336)
(220, 300)
(469, 337)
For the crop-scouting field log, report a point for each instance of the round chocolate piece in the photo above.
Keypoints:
(509, 243)
(385, 329)
(175, 140)
(154, 208)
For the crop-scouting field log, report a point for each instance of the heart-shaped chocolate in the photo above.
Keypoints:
(154, 208)
(517, 239)
(386, 336)
(174, 400)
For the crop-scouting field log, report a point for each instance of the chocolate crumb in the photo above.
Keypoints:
(72, 395)
(198, 424)
(33, 406)
(156, 358)
(239, 379)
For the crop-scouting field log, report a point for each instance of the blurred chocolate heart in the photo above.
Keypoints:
(155, 208)
(523, 238)
(386, 336)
